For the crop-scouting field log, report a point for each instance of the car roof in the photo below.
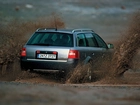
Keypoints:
(71, 31)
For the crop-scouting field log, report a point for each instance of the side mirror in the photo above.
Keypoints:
(110, 46)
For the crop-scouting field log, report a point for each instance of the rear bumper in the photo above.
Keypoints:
(47, 65)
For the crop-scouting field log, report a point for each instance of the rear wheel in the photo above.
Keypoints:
(63, 75)
(23, 69)
(31, 70)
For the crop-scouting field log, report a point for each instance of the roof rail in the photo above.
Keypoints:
(46, 29)
(80, 30)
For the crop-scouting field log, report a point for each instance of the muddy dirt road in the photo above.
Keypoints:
(15, 93)
(37, 89)
(108, 18)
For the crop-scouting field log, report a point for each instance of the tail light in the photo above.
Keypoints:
(74, 54)
(54, 52)
(23, 52)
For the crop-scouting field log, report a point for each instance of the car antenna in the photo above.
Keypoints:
(55, 23)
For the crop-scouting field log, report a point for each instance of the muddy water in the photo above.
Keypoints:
(127, 48)
(122, 59)
(12, 44)
(121, 62)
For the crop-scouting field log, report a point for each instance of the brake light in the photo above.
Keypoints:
(54, 52)
(23, 52)
(38, 51)
(74, 54)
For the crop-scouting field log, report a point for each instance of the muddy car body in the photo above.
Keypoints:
(61, 50)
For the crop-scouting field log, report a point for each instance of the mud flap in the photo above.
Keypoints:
(89, 72)
(87, 60)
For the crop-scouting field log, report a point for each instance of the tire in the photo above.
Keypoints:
(63, 75)
(23, 69)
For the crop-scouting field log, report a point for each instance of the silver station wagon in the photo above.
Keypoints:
(61, 49)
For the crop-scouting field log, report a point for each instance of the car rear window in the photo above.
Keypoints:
(51, 39)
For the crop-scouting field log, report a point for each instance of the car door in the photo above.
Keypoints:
(101, 44)
(95, 46)
(81, 45)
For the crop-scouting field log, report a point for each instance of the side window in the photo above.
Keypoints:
(100, 41)
(81, 41)
(91, 41)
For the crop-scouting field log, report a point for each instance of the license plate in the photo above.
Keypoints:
(47, 56)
